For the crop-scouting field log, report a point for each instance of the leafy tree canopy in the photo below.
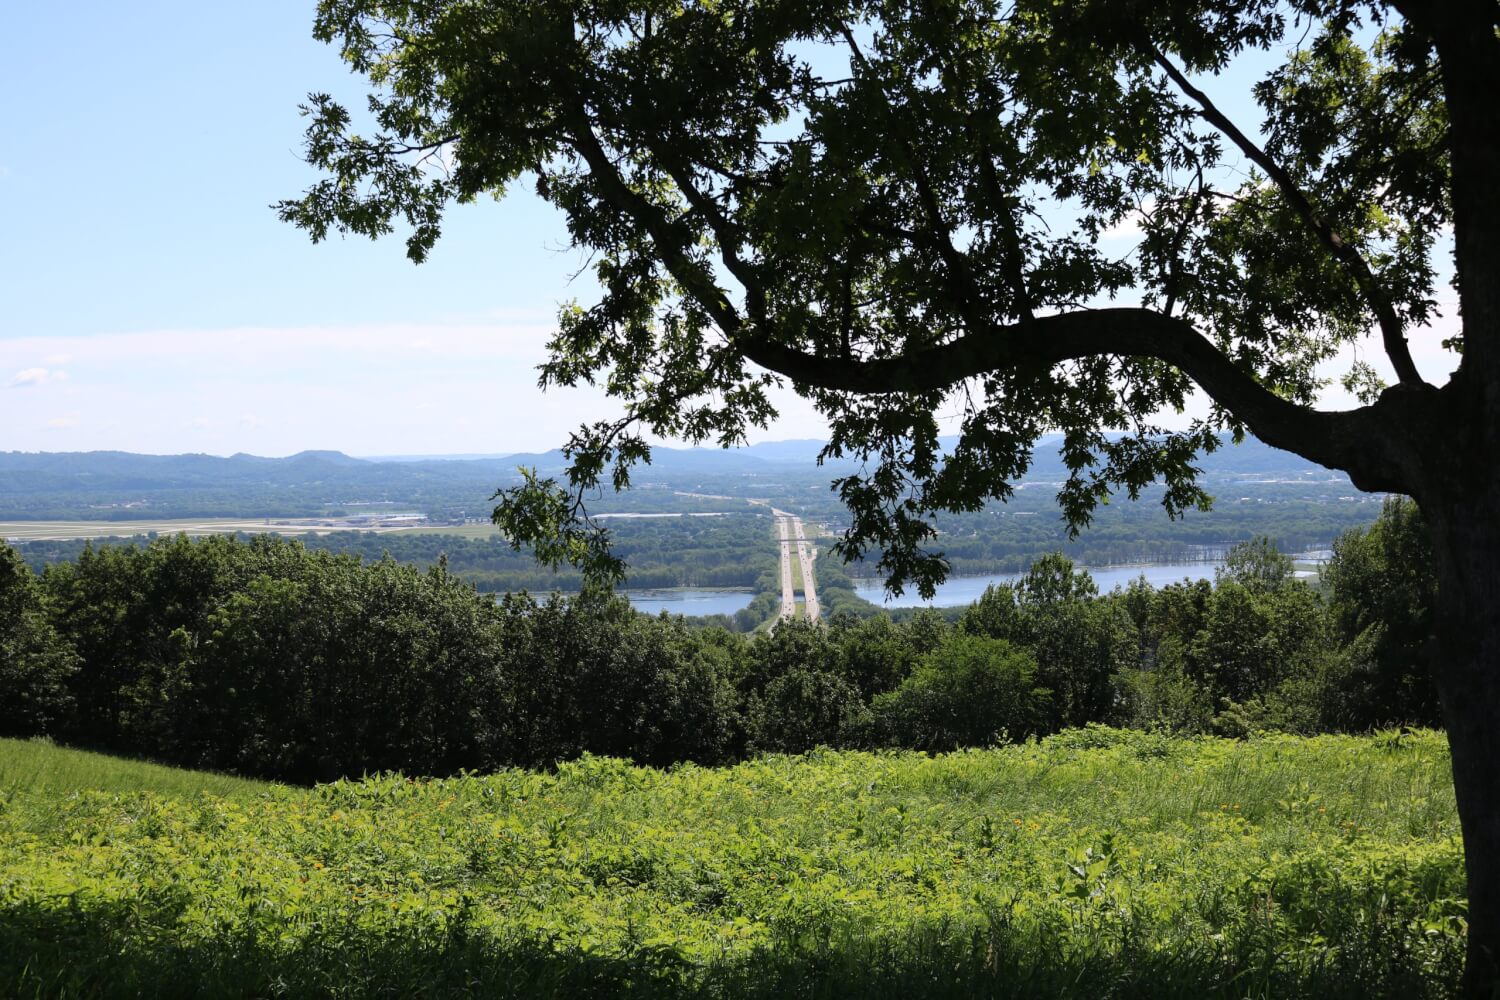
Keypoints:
(897, 206)
(1257, 565)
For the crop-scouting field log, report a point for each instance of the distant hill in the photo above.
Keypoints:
(40, 471)
(331, 457)
(23, 472)
(1248, 459)
(1251, 459)
(751, 457)
(464, 457)
(119, 485)
(803, 450)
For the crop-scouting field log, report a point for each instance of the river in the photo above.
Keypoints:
(960, 590)
(956, 591)
(690, 602)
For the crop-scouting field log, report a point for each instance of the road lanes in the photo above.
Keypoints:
(788, 595)
(789, 529)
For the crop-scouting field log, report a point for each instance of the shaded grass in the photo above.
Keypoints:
(1098, 863)
(95, 955)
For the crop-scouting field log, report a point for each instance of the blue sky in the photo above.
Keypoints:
(150, 301)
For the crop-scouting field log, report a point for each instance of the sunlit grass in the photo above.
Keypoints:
(1096, 863)
(37, 768)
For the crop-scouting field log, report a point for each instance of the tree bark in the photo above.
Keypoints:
(1466, 546)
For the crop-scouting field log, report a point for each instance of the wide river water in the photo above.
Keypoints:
(690, 602)
(959, 590)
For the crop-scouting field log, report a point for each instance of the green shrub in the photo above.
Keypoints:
(970, 691)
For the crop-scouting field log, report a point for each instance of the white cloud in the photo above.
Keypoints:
(290, 348)
(1129, 227)
(58, 359)
(525, 315)
(63, 422)
(29, 377)
(376, 390)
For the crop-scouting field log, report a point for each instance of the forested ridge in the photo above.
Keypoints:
(120, 486)
(733, 550)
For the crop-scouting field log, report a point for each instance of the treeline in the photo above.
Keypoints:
(730, 550)
(268, 658)
(1006, 539)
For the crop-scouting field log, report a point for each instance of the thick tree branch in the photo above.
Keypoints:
(726, 233)
(1351, 440)
(1336, 439)
(1174, 254)
(1010, 232)
(1013, 260)
(1393, 334)
(671, 238)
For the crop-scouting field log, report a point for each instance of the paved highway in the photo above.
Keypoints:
(789, 530)
(809, 584)
(788, 596)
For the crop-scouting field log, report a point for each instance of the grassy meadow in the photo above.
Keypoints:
(1096, 863)
(36, 769)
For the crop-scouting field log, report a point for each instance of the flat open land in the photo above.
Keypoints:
(29, 531)
(483, 529)
(1096, 863)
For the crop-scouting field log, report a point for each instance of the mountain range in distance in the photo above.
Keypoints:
(120, 486)
(799, 450)
(105, 483)
(1248, 459)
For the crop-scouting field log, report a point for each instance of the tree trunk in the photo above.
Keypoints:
(1466, 546)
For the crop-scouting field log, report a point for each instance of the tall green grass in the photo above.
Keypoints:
(1097, 863)
(38, 767)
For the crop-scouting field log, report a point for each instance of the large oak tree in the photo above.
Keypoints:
(897, 206)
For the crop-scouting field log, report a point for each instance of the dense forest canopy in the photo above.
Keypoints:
(265, 657)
